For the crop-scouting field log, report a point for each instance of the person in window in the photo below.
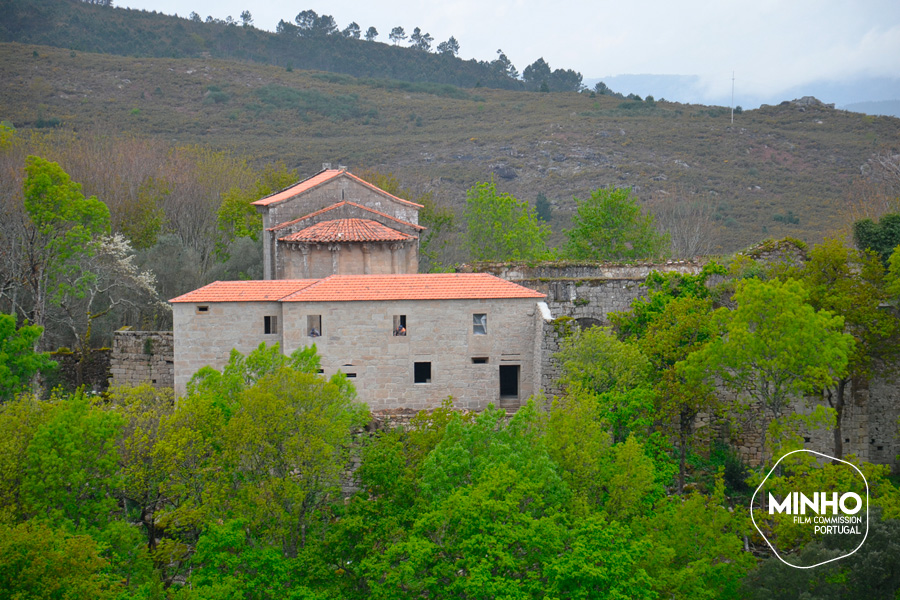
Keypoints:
(401, 330)
(314, 332)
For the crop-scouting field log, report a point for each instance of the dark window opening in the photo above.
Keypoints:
(509, 380)
(399, 325)
(846, 440)
(351, 375)
(479, 324)
(314, 325)
(479, 360)
(270, 325)
(881, 447)
(321, 371)
(422, 372)
(202, 309)
(807, 440)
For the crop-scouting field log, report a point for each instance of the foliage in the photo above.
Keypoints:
(611, 226)
(63, 227)
(38, 561)
(881, 237)
(71, 466)
(663, 288)
(501, 227)
(542, 208)
(237, 217)
(773, 346)
(851, 284)
(18, 360)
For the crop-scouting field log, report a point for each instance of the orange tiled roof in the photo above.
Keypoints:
(318, 179)
(245, 291)
(338, 205)
(432, 286)
(347, 230)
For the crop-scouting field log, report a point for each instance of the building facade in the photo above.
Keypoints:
(407, 340)
(336, 223)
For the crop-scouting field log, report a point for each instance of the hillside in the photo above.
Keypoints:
(88, 27)
(792, 157)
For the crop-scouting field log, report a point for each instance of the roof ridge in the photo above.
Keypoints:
(375, 187)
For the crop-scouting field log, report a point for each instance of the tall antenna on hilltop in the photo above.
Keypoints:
(732, 97)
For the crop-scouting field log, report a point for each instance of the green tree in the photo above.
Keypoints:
(18, 360)
(450, 47)
(19, 419)
(503, 228)
(611, 226)
(616, 373)
(237, 217)
(71, 466)
(537, 73)
(881, 237)
(774, 347)
(851, 284)
(63, 227)
(37, 561)
(542, 208)
(140, 459)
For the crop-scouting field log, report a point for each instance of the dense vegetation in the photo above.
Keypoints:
(235, 490)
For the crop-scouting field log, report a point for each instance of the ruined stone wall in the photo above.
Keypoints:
(143, 357)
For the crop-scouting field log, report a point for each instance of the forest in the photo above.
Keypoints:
(268, 480)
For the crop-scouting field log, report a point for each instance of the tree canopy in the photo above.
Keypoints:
(502, 228)
(610, 225)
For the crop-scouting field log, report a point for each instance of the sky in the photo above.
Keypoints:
(770, 47)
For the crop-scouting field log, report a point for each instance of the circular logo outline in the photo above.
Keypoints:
(753, 500)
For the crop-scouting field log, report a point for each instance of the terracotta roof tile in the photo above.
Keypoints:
(338, 205)
(318, 179)
(298, 188)
(347, 230)
(433, 286)
(245, 291)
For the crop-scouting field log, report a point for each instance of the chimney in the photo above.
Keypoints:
(326, 166)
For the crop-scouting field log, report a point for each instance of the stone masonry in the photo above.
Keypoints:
(143, 357)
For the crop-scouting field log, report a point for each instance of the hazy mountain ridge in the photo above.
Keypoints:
(875, 95)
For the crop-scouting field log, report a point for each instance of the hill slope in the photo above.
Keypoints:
(798, 158)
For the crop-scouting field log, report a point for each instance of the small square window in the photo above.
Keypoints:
(422, 372)
(270, 324)
(202, 309)
(399, 325)
(479, 324)
(314, 325)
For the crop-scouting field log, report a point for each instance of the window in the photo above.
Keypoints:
(314, 325)
(270, 324)
(479, 360)
(202, 309)
(422, 372)
(399, 325)
(479, 324)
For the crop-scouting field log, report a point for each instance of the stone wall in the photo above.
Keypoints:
(95, 371)
(143, 357)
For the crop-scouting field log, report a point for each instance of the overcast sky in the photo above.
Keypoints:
(771, 45)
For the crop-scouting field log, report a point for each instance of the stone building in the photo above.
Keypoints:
(336, 223)
(406, 340)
